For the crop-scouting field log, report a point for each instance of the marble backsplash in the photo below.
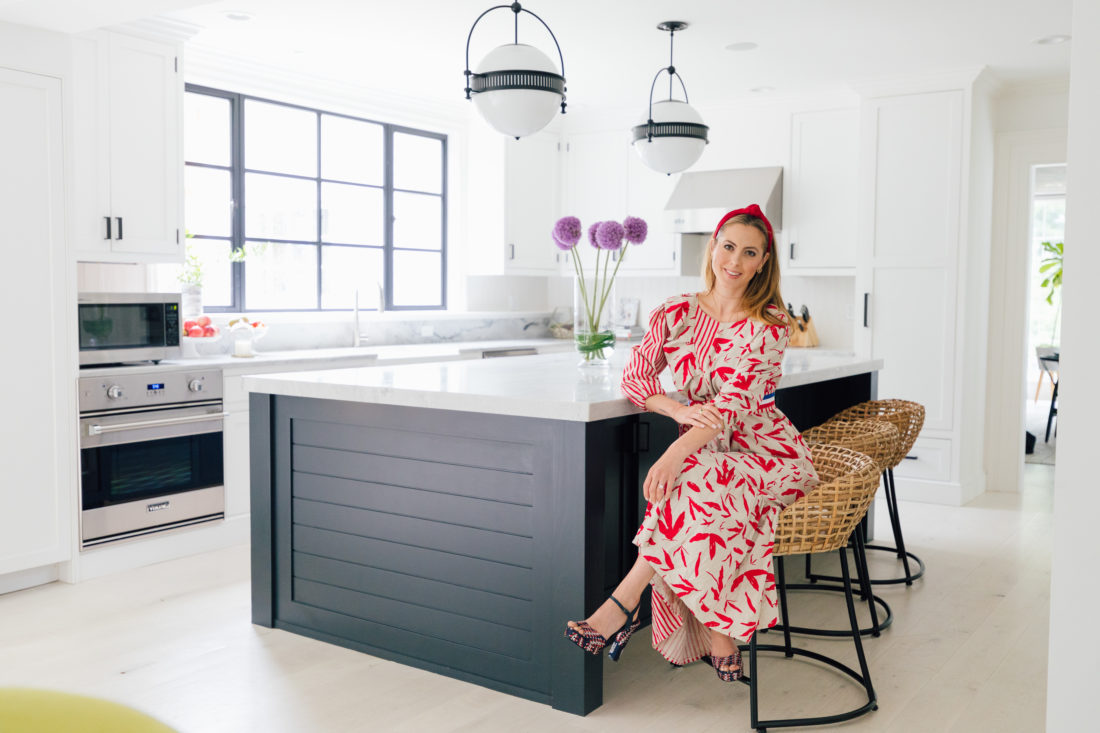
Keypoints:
(383, 331)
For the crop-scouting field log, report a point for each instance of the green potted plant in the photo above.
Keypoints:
(1051, 269)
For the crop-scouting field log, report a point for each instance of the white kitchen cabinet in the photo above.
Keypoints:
(128, 155)
(595, 185)
(531, 178)
(820, 203)
(38, 438)
(647, 194)
(921, 232)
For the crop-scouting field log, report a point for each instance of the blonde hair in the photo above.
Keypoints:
(763, 288)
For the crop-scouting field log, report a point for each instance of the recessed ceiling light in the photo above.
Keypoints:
(237, 15)
(762, 90)
(1051, 40)
(742, 46)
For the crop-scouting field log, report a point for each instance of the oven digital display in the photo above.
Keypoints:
(155, 386)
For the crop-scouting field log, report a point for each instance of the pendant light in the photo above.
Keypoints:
(673, 136)
(516, 87)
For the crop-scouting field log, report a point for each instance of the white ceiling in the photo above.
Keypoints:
(612, 49)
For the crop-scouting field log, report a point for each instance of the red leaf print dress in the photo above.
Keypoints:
(711, 540)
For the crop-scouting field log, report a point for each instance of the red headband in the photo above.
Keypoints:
(751, 210)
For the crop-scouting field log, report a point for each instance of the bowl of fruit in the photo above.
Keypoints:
(245, 334)
(199, 337)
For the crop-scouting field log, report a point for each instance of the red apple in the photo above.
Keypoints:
(195, 332)
(203, 321)
(208, 330)
(188, 325)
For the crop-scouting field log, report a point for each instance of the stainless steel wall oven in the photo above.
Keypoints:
(150, 452)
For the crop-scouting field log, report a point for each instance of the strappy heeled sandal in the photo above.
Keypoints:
(593, 642)
(727, 675)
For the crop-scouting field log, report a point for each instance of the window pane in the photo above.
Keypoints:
(280, 139)
(351, 214)
(206, 124)
(217, 271)
(417, 278)
(281, 276)
(209, 199)
(345, 269)
(351, 150)
(418, 221)
(417, 163)
(279, 208)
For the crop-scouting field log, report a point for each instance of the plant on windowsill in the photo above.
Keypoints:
(1051, 268)
(591, 307)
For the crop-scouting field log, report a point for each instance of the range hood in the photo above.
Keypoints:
(701, 198)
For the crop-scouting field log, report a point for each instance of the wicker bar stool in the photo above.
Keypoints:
(877, 440)
(908, 418)
(821, 521)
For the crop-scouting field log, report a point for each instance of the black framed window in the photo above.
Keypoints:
(322, 206)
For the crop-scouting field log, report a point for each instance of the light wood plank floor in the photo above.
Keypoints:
(967, 651)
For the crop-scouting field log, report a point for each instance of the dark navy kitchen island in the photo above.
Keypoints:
(452, 516)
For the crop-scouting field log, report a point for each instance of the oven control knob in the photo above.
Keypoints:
(195, 385)
(114, 392)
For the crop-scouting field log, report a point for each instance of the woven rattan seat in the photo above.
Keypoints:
(821, 521)
(877, 439)
(907, 417)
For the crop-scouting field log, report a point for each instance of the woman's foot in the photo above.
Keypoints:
(593, 639)
(608, 618)
(724, 656)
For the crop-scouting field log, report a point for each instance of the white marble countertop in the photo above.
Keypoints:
(547, 386)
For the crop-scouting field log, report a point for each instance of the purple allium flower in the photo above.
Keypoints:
(567, 232)
(635, 229)
(592, 234)
(609, 235)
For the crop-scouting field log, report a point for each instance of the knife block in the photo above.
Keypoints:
(803, 332)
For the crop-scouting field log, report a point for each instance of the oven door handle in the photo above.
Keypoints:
(96, 429)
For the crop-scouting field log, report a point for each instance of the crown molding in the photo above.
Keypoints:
(160, 28)
(936, 81)
(215, 68)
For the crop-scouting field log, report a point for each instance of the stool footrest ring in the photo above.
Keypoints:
(873, 630)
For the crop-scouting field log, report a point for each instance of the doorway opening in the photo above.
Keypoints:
(1044, 308)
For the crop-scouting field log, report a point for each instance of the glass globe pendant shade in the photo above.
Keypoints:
(675, 139)
(503, 89)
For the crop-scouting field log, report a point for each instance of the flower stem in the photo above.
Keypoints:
(609, 282)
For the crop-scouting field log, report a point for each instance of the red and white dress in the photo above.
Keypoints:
(710, 541)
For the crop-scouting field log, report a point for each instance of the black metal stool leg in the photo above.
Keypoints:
(899, 539)
(860, 554)
(855, 631)
(783, 608)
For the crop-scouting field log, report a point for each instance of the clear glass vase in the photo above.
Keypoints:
(592, 316)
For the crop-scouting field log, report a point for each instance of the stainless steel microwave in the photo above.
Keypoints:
(123, 327)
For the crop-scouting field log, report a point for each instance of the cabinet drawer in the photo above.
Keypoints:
(930, 459)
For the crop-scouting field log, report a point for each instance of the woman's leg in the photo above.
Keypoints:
(609, 618)
(723, 646)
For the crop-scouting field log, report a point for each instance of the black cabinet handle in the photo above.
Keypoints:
(511, 251)
(792, 251)
(866, 303)
(119, 220)
(108, 220)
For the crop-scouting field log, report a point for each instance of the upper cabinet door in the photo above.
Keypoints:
(128, 156)
(822, 190)
(145, 145)
(595, 185)
(647, 194)
(531, 203)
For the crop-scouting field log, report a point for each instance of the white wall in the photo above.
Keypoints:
(1030, 124)
(1074, 661)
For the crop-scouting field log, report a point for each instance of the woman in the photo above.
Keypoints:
(715, 494)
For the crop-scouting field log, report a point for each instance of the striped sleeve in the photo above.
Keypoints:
(747, 389)
(647, 361)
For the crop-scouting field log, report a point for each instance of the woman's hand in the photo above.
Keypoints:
(661, 478)
(704, 415)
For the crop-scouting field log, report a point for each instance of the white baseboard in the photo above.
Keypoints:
(98, 561)
(11, 582)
